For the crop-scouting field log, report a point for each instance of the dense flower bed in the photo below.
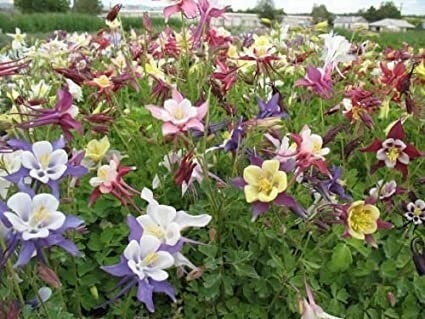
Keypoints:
(200, 174)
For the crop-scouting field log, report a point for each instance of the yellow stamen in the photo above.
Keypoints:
(44, 160)
(150, 258)
(40, 214)
(393, 153)
(265, 186)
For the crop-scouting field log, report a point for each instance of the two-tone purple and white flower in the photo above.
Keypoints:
(45, 162)
(35, 223)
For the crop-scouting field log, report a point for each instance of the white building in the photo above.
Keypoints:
(351, 23)
(246, 21)
(392, 25)
(297, 21)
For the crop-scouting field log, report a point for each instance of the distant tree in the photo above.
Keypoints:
(88, 6)
(320, 14)
(30, 6)
(386, 10)
(266, 9)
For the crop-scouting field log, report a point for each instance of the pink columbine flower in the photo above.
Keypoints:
(109, 181)
(393, 152)
(319, 80)
(187, 7)
(179, 115)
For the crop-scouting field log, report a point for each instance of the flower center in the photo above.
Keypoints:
(149, 259)
(265, 186)
(360, 220)
(156, 231)
(393, 153)
(417, 211)
(178, 113)
(39, 215)
(355, 113)
(103, 81)
(44, 160)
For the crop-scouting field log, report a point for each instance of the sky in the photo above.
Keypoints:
(304, 6)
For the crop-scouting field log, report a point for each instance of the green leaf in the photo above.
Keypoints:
(245, 270)
(341, 258)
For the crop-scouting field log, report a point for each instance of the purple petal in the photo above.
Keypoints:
(256, 160)
(136, 230)
(54, 186)
(259, 208)
(59, 144)
(164, 287)
(238, 182)
(25, 188)
(28, 248)
(76, 171)
(172, 249)
(71, 222)
(144, 294)
(288, 201)
(19, 145)
(16, 177)
(119, 270)
(70, 247)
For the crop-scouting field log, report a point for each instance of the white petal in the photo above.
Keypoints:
(58, 157)
(164, 260)
(180, 260)
(56, 220)
(147, 195)
(41, 148)
(162, 214)
(185, 220)
(148, 244)
(48, 201)
(21, 204)
(41, 233)
(172, 234)
(381, 155)
(133, 252)
(29, 161)
(44, 293)
(16, 221)
(56, 172)
(157, 274)
(404, 158)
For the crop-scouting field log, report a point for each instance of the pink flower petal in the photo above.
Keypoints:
(159, 113)
(202, 111)
(169, 129)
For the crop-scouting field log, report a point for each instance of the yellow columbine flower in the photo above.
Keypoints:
(96, 149)
(102, 81)
(264, 183)
(362, 219)
(420, 71)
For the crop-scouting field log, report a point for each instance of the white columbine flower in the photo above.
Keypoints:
(144, 259)
(336, 50)
(416, 212)
(34, 217)
(392, 151)
(10, 163)
(75, 90)
(45, 163)
(165, 223)
(384, 191)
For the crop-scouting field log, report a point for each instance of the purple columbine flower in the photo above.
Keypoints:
(45, 162)
(334, 185)
(36, 223)
(271, 108)
(62, 114)
(143, 264)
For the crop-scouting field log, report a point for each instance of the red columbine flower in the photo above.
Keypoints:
(319, 80)
(393, 152)
(11, 67)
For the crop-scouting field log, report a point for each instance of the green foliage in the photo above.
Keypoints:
(49, 22)
(31, 6)
(386, 10)
(88, 6)
(320, 13)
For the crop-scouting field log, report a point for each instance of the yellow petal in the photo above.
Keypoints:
(251, 193)
(355, 234)
(370, 228)
(267, 198)
(373, 210)
(252, 174)
(280, 181)
(271, 167)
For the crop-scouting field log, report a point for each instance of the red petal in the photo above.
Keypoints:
(384, 225)
(397, 131)
(402, 168)
(412, 151)
(374, 147)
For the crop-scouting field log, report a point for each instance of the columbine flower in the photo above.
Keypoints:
(362, 220)
(44, 162)
(97, 149)
(143, 263)
(336, 50)
(319, 80)
(63, 114)
(263, 184)
(310, 310)
(165, 223)
(11, 67)
(187, 7)
(109, 181)
(415, 212)
(385, 191)
(9, 163)
(36, 223)
(271, 108)
(179, 115)
(393, 152)
(18, 39)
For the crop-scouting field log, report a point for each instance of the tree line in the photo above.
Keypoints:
(81, 6)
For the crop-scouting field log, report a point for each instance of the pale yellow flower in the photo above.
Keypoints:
(362, 219)
(97, 149)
